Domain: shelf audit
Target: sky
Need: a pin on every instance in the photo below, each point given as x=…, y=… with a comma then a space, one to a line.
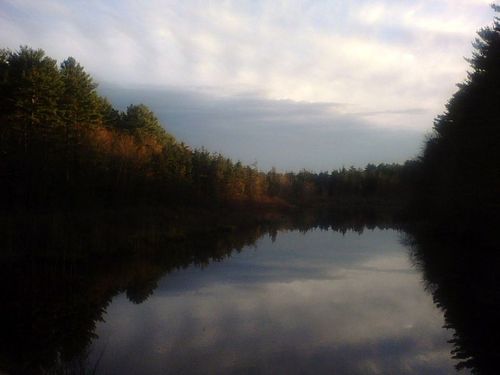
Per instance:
x=291, y=84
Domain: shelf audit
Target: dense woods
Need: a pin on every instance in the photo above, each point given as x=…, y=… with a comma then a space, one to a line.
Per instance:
x=456, y=199
x=63, y=145
x=459, y=170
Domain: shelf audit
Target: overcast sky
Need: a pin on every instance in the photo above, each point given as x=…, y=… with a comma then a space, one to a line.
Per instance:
x=294, y=84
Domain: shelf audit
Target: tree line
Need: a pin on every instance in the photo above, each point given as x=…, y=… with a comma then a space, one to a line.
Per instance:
x=459, y=169
x=64, y=145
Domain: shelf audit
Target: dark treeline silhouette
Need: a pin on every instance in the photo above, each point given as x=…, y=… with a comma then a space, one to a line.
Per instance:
x=58, y=278
x=462, y=275
x=64, y=146
x=459, y=170
x=455, y=206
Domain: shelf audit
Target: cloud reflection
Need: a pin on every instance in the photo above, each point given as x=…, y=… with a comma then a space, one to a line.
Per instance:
x=361, y=309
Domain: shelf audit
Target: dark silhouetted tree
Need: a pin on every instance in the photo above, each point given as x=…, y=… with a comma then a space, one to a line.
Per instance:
x=461, y=160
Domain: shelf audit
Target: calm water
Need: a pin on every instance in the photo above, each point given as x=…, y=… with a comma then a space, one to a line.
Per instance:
x=299, y=303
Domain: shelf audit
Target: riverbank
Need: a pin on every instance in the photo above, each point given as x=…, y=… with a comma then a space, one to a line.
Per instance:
x=87, y=232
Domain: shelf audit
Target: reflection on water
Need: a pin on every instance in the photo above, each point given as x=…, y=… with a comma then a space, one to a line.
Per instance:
x=461, y=273
x=318, y=302
x=266, y=298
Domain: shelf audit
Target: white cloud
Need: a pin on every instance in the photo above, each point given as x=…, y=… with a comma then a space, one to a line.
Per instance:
x=382, y=55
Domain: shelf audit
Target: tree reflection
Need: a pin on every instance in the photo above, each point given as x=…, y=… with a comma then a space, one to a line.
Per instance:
x=58, y=274
x=461, y=272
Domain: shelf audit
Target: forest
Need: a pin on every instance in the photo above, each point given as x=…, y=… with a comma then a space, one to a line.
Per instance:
x=458, y=172
x=64, y=146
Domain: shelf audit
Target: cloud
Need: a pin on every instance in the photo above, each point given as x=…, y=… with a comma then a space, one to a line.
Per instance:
x=387, y=64
x=282, y=133
x=381, y=54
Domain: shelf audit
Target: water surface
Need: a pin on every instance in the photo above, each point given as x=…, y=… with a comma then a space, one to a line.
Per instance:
x=298, y=303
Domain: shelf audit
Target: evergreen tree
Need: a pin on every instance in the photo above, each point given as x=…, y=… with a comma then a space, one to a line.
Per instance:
x=78, y=101
x=31, y=87
x=461, y=160
x=79, y=108
x=142, y=122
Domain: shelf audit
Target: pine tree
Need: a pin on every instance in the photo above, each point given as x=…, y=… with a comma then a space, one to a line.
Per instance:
x=30, y=88
x=142, y=122
x=79, y=109
x=461, y=160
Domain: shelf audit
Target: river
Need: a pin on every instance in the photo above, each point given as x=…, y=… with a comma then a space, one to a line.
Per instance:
x=303, y=297
x=304, y=303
